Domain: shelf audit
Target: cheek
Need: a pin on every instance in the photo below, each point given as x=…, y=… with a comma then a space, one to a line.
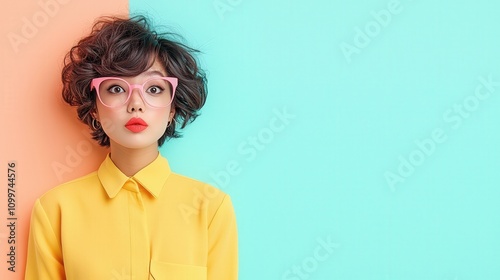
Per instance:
x=103, y=114
x=162, y=115
x=161, y=121
x=107, y=118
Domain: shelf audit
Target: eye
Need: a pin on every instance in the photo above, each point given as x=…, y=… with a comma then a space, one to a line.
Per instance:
x=155, y=90
x=115, y=89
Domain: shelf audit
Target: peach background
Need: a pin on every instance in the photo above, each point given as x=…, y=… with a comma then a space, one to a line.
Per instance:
x=40, y=132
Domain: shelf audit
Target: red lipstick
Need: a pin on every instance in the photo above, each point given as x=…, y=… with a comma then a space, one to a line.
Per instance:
x=136, y=125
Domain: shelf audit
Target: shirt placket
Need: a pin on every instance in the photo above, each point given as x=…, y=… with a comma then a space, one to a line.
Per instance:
x=139, y=239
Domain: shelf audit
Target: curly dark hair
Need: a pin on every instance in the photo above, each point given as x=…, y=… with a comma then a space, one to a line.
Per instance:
x=127, y=47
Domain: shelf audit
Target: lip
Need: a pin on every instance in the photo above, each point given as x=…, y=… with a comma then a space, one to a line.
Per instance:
x=136, y=125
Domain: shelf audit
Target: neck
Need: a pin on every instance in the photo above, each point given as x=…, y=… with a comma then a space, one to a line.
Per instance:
x=130, y=161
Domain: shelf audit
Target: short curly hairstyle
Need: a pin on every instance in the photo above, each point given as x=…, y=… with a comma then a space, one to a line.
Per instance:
x=127, y=47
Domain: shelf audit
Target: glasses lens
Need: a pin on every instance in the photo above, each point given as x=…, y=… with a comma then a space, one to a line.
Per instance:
x=158, y=92
x=113, y=92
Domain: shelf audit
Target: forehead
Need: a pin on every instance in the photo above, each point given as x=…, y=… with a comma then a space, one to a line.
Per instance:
x=156, y=69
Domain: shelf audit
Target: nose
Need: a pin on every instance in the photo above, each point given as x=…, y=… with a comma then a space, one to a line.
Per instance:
x=135, y=103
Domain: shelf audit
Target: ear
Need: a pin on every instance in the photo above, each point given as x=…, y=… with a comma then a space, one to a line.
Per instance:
x=172, y=114
x=94, y=114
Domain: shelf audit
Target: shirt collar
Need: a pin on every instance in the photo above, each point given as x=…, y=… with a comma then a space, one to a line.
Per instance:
x=152, y=177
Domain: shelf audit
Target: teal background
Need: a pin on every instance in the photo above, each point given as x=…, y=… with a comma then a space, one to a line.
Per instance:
x=322, y=176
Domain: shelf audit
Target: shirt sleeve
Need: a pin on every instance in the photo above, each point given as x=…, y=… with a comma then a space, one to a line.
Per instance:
x=223, y=244
x=44, y=261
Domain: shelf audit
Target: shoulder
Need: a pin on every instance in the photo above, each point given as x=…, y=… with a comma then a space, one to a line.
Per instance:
x=64, y=198
x=189, y=187
x=196, y=196
x=71, y=189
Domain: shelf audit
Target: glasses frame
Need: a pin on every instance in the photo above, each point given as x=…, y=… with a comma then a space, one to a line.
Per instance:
x=96, y=83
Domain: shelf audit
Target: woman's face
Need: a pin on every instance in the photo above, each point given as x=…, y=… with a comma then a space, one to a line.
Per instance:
x=123, y=125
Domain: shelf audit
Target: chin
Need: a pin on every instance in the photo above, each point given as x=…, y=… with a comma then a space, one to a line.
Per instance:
x=135, y=145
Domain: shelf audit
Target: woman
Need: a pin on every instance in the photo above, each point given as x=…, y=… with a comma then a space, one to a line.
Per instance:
x=133, y=218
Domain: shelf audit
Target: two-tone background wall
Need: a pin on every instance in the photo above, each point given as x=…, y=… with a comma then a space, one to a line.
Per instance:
x=358, y=139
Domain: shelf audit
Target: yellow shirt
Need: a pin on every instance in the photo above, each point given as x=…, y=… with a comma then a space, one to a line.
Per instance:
x=153, y=225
